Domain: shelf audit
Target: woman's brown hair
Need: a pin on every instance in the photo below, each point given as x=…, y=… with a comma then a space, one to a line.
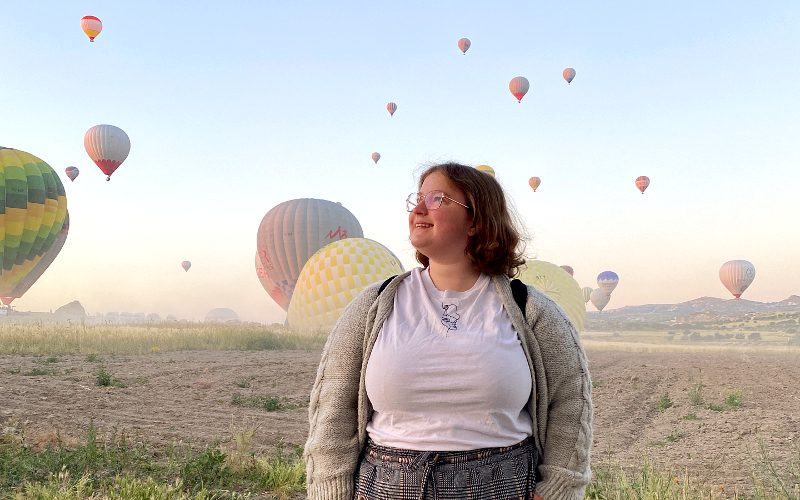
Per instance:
x=497, y=245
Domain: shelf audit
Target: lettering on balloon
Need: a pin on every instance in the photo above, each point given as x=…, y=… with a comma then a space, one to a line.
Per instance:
x=339, y=234
x=265, y=260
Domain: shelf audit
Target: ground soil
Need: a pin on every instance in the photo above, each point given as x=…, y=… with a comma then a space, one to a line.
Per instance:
x=186, y=397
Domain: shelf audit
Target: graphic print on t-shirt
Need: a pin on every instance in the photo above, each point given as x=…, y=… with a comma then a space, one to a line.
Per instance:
x=450, y=316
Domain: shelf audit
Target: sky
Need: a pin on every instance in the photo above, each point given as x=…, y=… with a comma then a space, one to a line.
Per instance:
x=234, y=107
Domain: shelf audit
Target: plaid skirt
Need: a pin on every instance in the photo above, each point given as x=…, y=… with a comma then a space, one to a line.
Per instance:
x=386, y=473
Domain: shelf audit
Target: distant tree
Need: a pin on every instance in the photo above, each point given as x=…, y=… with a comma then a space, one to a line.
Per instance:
x=754, y=336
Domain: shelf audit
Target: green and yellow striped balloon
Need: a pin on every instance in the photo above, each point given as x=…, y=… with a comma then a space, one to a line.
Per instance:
x=33, y=207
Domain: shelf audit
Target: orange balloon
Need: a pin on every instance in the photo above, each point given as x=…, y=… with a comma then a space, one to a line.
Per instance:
x=534, y=183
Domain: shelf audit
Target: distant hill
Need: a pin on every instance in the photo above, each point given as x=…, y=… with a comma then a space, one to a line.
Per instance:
x=703, y=310
x=72, y=310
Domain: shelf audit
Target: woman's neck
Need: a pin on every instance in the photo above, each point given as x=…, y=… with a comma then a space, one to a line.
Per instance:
x=454, y=277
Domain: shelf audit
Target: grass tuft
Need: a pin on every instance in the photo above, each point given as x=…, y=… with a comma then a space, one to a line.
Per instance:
x=663, y=402
x=268, y=403
x=105, y=379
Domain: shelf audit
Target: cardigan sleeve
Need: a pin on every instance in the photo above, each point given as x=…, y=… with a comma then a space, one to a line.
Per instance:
x=332, y=450
x=565, y=469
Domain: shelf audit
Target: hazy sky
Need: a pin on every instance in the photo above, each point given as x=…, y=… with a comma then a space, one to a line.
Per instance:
x=233, y=107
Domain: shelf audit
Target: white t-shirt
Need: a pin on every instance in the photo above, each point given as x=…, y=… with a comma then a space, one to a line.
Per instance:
x=447, y=372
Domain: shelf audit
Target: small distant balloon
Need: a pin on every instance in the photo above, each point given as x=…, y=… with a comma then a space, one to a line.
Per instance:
x=72, y=172
x=607, y=281
x=642, y=182
x=186, y=265
x=737, y=275
x=568, y=74
x=376, y=156
x=464, y=44
x=486, y=169
x=534, y=182
x=391, y=108
x=92, y=26
x=568, y=269
x=599, y=298
x=519, y=86
x=587, y=293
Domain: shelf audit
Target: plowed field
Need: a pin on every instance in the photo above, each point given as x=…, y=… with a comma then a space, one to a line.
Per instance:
x=670, y=407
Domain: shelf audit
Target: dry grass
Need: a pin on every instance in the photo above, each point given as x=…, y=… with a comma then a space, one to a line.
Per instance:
x=49, y=339
x=660, y=342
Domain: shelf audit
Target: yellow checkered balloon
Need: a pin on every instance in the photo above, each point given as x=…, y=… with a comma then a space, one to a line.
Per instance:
x=557, y=284
x=333, y=277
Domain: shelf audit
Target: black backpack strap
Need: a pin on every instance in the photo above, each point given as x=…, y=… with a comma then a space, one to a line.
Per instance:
x=520, y=292
x=385, y=283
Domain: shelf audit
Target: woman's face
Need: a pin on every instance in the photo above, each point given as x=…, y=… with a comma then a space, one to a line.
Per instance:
x=441, y=234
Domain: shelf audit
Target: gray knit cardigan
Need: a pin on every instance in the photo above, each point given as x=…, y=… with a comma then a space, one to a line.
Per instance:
x=560, y=403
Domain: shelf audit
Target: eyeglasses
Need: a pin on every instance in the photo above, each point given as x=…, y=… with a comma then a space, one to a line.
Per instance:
x=433, y=200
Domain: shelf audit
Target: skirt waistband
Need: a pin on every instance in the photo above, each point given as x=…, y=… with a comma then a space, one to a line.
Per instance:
x=403, y=456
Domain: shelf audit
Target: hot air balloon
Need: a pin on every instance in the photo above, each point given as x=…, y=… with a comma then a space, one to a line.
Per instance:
x=599, y=298
x=607, y=280
x=642, y=182
x=568, y=74
x=737, y=275
x=186, y=265
x=72, y=172
x=485, y=169
x=292, y=231
x=376, y=156
x=558, y=285
x=587, y=293
x=33, y=211
x=568, y=269
x=519, y=86
x=463, y=44
x=332, y=277
x=107, y=146
x=270, y=286
x=92, y=26
x=534, y=183
x=41, y=266
x=391, y=108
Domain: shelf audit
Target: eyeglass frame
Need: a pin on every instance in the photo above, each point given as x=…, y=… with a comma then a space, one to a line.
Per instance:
x=410, y=205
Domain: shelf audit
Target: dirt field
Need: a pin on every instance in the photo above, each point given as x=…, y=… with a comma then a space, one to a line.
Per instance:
x=187, y=397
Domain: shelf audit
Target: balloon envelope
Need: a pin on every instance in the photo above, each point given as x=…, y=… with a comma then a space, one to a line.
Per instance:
x=557, y=284
x=292, y=231
x=599, y=298
x=39, y=269
x=333, y=277
x=485, y=169
x=737, y=275
x=92, y=26
x=107, y=146
x=607, y=280
x=519, y=86
x=270, y=286
x=464, y=44
x=587, y=293
x=568, y=74
x=568, y=269
x=376, y=156
x=391, y=108
x=72, y=172
x=534, y=182
x=33, y=205
x=186, y=265
x=642, y=182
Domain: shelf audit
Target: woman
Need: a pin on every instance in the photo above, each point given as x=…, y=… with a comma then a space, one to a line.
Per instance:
x=439, y=386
